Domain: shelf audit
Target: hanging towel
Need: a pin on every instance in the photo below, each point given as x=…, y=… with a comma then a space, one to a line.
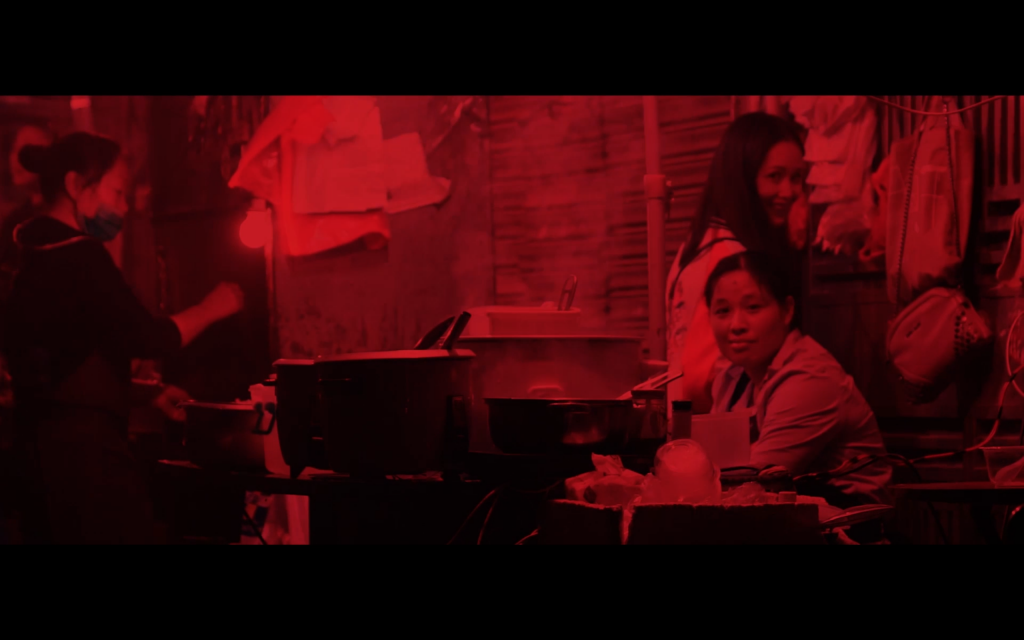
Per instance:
x=348, y=174
x=268, y=165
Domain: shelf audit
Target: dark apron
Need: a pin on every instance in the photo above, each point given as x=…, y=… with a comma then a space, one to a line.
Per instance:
x=83, y=486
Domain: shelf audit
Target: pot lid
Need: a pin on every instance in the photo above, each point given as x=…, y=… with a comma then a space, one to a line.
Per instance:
x=405, y=354
x=574, y=338
x=286, y=362
x=224, y=406
x=593, y=401
x=532, y=311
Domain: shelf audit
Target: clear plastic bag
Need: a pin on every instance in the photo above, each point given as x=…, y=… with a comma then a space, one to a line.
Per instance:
x=846, y=226
x=610, y=484
x=683, y=473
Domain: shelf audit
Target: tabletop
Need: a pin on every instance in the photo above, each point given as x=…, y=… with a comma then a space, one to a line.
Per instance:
x=305, y=485
x=963, y=493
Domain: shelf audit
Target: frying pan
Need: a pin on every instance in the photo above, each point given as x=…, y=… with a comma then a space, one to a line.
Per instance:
x=565, y=425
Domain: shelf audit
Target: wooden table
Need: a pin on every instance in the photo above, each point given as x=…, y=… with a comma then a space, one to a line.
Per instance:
x=981, y=496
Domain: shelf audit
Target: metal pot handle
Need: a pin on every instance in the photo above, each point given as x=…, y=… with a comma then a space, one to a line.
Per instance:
x=270, y=408
x=572, y=407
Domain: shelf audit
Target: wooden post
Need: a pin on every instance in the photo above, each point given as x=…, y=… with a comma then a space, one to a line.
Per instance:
x=656, y=191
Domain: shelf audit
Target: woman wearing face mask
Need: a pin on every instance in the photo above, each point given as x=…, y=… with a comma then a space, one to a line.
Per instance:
x=71, y=330
x=755, y=181
x=809, y=415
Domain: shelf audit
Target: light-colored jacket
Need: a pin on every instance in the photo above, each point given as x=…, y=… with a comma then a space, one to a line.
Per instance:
x=691, y=345
x=810, y=417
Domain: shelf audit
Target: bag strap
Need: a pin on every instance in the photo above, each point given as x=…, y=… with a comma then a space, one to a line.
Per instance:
x=906, y=221
x=952, y=178
x=906, y=203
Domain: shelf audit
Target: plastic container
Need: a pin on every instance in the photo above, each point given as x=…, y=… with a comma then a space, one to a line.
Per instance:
x=1005, y=465
x=724, y=436
x=683, y=472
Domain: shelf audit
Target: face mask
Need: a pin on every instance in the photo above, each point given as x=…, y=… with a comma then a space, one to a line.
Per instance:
x=103, y=226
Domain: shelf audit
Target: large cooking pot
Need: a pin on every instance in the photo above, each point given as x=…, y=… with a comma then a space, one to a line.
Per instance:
x=298, y=419
x=395, y=412
x=548, y=367
x=565, y=425
x=228, y=436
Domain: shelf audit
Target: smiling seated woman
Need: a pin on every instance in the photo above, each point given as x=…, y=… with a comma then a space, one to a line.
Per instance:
x=808, y=414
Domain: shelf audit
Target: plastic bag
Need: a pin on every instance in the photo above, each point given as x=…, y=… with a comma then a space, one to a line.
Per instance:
x=748, y=494
x=846, y=226
x=610, y=484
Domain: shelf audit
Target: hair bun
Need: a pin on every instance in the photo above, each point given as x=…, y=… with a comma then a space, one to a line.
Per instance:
x=34, y=158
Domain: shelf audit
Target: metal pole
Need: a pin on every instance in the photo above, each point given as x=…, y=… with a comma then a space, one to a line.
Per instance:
x=656, y=191
x=272, y=326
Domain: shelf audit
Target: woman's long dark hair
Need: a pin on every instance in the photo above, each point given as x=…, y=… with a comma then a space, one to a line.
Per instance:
x=86, y=154
x=731, y=190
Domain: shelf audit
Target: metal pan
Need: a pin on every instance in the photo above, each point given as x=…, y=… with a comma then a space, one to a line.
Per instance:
x=542, y=426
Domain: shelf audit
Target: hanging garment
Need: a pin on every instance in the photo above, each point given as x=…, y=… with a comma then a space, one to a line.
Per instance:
x=323, y=162
x=933, y=252
x=875, y=245
x=343, y=169
x=1011, y=269
x=853, y=148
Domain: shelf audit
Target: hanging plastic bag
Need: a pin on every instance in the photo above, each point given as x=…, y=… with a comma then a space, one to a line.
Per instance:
x=610, y=484
x=846, y=226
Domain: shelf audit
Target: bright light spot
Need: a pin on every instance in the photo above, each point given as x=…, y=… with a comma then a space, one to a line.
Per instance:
x=257, y=230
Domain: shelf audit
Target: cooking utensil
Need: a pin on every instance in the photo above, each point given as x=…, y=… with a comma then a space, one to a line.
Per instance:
x=544, y=426
x=495, y=321
x=448, y=342
x=392, y=412
x=568, y=294
x=856, y=515
x=298, y=417
x=228, y=436
x=653, y=384
x=145, y=391
x=581, y=366
x=431, y=338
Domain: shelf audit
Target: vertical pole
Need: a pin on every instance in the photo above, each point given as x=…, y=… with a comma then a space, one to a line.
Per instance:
x=268, y=256
x=656, y=192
